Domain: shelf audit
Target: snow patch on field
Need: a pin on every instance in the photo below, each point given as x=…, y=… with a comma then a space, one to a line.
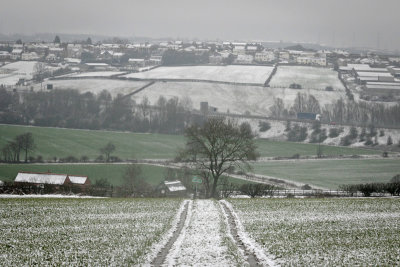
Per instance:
x=95, y=86
x=12, y=72
x=307, y=77
x=248, y=241
x=156, y=248
x=233, y=98
x=200, y=242
x=231, y=73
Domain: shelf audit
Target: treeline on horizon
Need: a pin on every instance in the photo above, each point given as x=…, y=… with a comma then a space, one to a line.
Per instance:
x=341, y=111
x=72, y=109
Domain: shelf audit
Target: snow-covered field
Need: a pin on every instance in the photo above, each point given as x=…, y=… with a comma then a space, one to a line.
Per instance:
x=12, y=72
x=200, y=242
x=307, y=77
x=325, y=232
x=231, y=73
x=95, y=86
x=82, y=232
x=235, y=98
x=129, y=232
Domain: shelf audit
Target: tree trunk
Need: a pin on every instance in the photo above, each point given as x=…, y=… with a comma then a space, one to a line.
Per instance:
x=214, y=187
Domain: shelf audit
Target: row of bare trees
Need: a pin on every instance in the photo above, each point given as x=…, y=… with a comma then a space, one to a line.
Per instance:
x=22, y=144
x=340, y=111
x=71, y=109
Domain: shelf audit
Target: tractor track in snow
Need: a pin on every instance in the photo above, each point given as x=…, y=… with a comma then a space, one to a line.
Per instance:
x=254, y=256
x=250, y=257
x=161, y=256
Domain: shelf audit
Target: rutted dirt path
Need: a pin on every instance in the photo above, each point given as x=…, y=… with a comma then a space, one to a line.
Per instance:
x=208, y=233
x=160, y=258
x=255, y=254
x=251, y=257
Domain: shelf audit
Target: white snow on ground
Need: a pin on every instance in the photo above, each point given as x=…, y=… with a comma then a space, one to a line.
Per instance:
x=248, y=241
x=231, y=73
x=156, y=248
x=235, y=98
x=12, y=72
x=95, y=74
x=200, y=242
x=307, y=77
x=95, y=86
x=45, y=196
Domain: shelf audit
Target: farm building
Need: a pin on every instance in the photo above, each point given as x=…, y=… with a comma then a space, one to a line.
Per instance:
x=172, y=189
x=52, y=179
x=382, y=88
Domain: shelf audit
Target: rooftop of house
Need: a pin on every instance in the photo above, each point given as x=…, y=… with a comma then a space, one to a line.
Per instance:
x=49, y=178
x=174, y=186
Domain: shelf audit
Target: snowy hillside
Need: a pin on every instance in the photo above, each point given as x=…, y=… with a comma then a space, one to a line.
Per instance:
x=231, y=73
x=233, y=98
x=307, y=77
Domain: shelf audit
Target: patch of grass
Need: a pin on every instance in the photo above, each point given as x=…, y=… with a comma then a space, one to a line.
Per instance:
x=331, y=173
x=288, y=149
x=61, y=143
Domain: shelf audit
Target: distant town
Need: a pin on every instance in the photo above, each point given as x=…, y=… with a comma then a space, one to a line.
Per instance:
x=375, y=76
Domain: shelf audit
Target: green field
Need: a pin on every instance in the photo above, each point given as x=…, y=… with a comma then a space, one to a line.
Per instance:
x=324, y=232
x=331, y=173
x=61, y=143
x=288, y=149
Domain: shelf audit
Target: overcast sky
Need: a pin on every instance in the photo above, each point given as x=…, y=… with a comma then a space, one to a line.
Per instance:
x=369, y=23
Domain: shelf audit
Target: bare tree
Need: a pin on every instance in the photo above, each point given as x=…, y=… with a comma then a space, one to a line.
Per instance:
x=27, y=143
x=39, y=72
x=133, y=180
x=218, y=145
x=107, y=150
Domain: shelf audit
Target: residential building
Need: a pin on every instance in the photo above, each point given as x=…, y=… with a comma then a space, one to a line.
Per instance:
x=16, y=53
x=265, y=56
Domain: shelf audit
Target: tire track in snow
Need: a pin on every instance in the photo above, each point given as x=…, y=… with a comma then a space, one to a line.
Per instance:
x=255, y=254
x=200, y=242
x=162, y=254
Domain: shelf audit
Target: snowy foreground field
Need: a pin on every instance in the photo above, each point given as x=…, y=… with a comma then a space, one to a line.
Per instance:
x=307, y=77
x=231, y=73
x=168, y=232
x=325, y=232
x=72, y=232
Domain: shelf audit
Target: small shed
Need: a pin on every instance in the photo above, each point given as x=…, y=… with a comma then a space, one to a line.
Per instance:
x=172, y=189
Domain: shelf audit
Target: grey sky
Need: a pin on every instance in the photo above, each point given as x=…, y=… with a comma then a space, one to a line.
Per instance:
x=338, y=22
